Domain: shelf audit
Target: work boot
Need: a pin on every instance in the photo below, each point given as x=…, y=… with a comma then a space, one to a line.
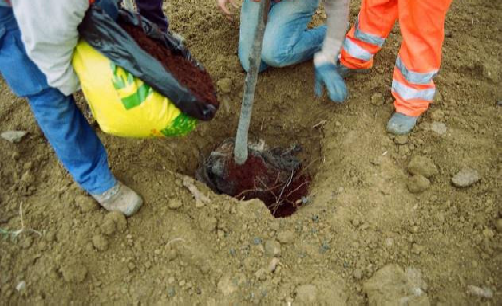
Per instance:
x=120, y=198
x=400, y=124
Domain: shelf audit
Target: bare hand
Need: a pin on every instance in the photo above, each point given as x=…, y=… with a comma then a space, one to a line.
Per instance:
x=223, y=6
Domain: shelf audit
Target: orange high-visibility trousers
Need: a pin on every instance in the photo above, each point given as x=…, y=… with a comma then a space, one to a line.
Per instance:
x=422, y=27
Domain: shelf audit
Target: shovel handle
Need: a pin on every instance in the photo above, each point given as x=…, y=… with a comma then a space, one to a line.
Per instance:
x=241, y=139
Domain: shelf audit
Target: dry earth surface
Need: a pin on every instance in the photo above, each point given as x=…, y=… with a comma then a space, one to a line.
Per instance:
x=384, y=224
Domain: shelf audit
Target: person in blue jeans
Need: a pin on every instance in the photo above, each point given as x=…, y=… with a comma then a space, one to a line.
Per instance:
x=35, y=61
x=287, y=41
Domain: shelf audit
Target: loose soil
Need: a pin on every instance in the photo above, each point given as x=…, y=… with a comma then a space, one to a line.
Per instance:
x=197, y=80
x=216, y=250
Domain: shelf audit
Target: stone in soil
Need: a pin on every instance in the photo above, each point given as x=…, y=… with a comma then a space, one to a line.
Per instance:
x=13, y=136
x=272, y=248
x=438, y=128
x=225, y=85
x=287, y=236
x=392, y=286
x=273, y=264
x=421, y=165
x=480, y=292
x=418, y=184
x=465, y=178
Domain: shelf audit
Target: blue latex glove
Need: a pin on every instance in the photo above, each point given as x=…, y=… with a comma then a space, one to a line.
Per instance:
x=327, y=74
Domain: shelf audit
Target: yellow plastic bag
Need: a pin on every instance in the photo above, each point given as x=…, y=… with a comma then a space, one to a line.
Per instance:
x=122, y=104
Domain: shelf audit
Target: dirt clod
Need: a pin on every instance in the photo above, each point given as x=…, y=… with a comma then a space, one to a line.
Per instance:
x=100, y=242
x=225, y=85
x=73, y=271
x=174, y=204
x=401, y=139
x=86, y=203
x=421, y=165
x=418, y=184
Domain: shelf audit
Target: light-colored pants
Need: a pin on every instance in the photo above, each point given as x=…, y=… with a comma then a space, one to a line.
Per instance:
x=287, y=40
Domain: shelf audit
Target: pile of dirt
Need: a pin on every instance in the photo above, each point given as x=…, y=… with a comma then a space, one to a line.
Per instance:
x=196, y=79
x=275, y=176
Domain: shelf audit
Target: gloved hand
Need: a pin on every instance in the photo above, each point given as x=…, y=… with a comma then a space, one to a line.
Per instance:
x=327, y=74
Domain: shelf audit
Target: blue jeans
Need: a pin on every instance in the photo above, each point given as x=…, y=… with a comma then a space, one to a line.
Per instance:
x=287, y=40
x=75, y=142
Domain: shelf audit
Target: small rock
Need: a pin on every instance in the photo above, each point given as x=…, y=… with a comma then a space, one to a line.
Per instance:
x=100, y=242
x=389, y=242
x=171, y=291
x=498, y=225
x=391, y=285
x=377, y=99
x=261, y=274
x=438, y=128
x=287, y=236
x=272, y=248
x=225, y=85
x=480, y=292
x=21, y=286
x=358, y=274
x=227, y=286
x=273, y=264
x=448, y=33
x=401, y=139
x=306, y=294
x=418, y=184
x=174, y=204
x=499, y=103
x=421, y=165
x=13, y=136
x=465, y=178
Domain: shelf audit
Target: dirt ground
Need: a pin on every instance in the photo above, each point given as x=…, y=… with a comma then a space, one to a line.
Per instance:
x=363, y=237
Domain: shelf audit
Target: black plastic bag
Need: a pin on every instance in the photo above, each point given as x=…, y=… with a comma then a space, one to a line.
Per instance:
x=105, y=35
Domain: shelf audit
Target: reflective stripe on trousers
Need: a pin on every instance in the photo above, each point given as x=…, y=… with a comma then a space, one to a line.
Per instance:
x=422, y=28
x=361, y=45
